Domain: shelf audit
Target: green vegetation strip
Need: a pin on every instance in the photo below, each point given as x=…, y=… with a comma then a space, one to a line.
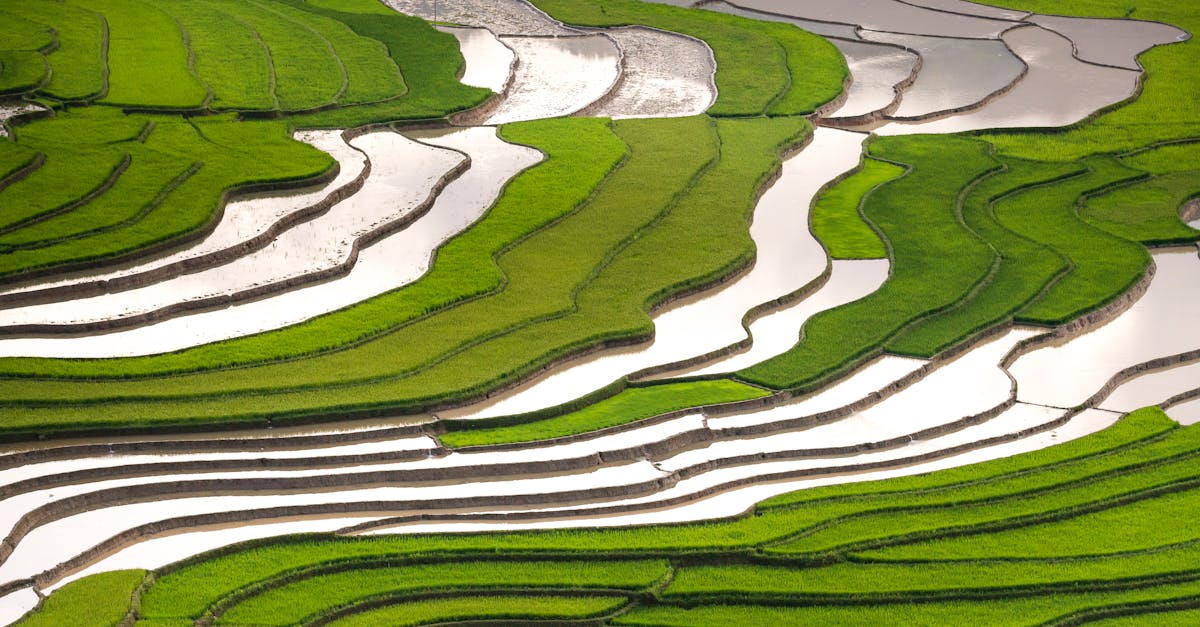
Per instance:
x=936, y=261
x=836, y=218
x=1040, y=569
x=177, y=179
x=147, y=58
x=597, y=289
x=303, y=600
x=762, y=67
x=1005, y=611
x=499, y=607
x=78, y=67
x=101, y=599
x=628, y=406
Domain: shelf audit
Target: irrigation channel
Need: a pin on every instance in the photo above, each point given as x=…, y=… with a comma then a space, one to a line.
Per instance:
x=76, y=507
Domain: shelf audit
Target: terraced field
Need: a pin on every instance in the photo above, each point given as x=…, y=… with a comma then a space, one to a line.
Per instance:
x=597, y=312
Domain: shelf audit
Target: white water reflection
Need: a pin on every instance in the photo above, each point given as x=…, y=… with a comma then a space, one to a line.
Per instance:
x=788, y=258
x=1165, y=321
x=955, y=73
x=503, y=17
x=1187, y=413
x=742, y=499
x=243, y=218
x=397, y=260
x=9, y=110
x=1153, y=388
x=64, y=538
x=404, y=175
x=825, y=29
x=1037, y=99
x=885, y=15
x=488, y=63
x=557, y=76
x=662, y=75
x=881, y=373
x=978, y=382
x=1111, y=42
x=778, y=331
x=158, y=552
x=16, y=604
x=970, y=8
x=29, y=471
x=877, y=72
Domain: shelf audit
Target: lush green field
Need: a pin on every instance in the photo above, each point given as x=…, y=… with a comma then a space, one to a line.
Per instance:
x=936, y=259
x=762, y=67
x=595, y=291
x=628, y=406
x=981, y=230
x=836, y=215
x=99, y=600
x=1012, y=540
x=113, y=183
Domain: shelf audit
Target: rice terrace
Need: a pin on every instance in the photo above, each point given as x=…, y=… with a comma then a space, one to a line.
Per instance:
x=599, y=312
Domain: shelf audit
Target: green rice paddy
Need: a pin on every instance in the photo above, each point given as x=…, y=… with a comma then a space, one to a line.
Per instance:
x=160, y=111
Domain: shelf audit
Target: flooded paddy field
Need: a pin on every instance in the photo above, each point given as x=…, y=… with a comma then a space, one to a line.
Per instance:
x=394, y=261
x=788, y=259
x=244, y=220
x=1033, y=100
x=87, y=505
x=956, y=73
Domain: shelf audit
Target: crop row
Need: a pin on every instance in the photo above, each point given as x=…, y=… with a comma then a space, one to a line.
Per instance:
x=268, y=55
x=113, y=184
x=762, y=67
x=599, y=277
x=1125, y=483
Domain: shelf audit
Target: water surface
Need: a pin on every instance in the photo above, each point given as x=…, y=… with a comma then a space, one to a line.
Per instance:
x=1165, y=321
x=395, y=261
x=955, y=73
x=488, y=62
x=1037, y=99
x=1111, y=42
x=557, y=76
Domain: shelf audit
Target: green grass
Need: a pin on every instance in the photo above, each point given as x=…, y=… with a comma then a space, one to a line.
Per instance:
x=543, y=312
x=147, y=58
x=18, y=33
x=14, y=157
x=22, y=71
x=1103, y=266
x=628, y=406
x=78, y=63
x=101, y=600
x=762, y=67
x=1155, y=618
x=230, y=57
x=307, y=71
x=936, y=261
x=836, y=220
x=173, y=187
x=849, y=579
x=497, y=607
x=428, y=59
x=370, y=74
x=581, y=151
x=1033, y=571
x=305, y=599
x=1026, y=267
x=135, y=191
x=1005, y=611
x=332, y=67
